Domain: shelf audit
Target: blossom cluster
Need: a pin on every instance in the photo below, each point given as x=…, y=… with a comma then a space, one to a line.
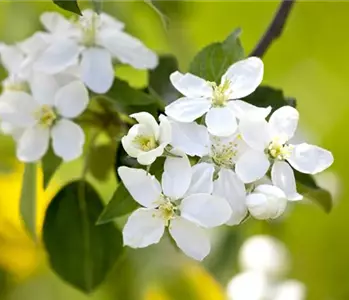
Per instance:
x=225, y=159
x=49, y=75
x=265, y=262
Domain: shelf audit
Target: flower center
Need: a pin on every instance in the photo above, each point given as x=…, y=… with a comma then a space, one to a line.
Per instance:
x=279, y=150
x=220, y=93
x=15, y=84
x=88, y=26
x=167, y=209
x=45, y=116
x=223, y=154
x=145, y=143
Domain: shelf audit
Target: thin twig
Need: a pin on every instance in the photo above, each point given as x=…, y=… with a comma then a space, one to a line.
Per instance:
x=275, y=28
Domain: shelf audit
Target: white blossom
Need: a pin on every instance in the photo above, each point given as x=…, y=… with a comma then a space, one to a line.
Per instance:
x=92, y=43
x=147, y=140
x=182, y=203
x=290, y=290
x=266, y=202
x=272, y=139
x=202, y=97
x=46, y=113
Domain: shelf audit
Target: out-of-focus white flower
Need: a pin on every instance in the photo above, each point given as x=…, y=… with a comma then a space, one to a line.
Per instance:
x=46, y=114
x=266, y=202
x=290, y=290
x=147, y=140
x=266, y=255
x=271, y=138
x=182, y=202
x=92, y=43
x=201, y=97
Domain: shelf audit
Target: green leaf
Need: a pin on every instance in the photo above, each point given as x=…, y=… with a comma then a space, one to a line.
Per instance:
x=214, y=60
x=101, y=160
x=80, y=252
x=265, y=96
x=69, y=5
x=159, y=79
x=28, y=198
x=155, y=6
x=97, y=5
x=50, y=163
x=129, y=100
x=119, y=205
x=306, y=185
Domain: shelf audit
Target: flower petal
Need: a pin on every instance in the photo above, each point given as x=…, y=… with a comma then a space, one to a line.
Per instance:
x=243, y=109
x=255, y=132
x=165, y=134
x=283, y=177
x=245, y=76
x=54, y=22
x=43, y=88
x=71, y=100
x=97, y=70
x=176, y=177
x=252, y=166
x=202, y=179
x=11, y=58
x=33, y=144
x=221, y=121
x=147, y=158
x=58, y=56
x=143, y=187
x=187, y=109
x=67, y=139
x=111, y=22
x=283, y=122
x=191, y=138
x=190, y=85
x=205, y=210
x=231, y=188
x=144, y=227
x=148, y=120
x=310, y=159
x=128, y=49
x=191, y=238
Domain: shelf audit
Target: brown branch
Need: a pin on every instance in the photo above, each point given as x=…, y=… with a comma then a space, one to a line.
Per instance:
x=275, y=28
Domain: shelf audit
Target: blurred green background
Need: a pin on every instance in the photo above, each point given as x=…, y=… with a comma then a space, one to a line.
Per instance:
x=309, y=62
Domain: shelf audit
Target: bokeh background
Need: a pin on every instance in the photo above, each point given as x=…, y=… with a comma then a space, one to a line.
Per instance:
x=309, y=62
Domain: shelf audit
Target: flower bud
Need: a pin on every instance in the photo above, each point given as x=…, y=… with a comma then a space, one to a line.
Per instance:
x=266, y=202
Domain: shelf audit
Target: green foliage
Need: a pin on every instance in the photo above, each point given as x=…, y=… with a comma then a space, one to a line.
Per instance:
x=307, y=186
x=97, y=5
x=28, y=198
x=69, y=5
x=214, y=60
x=156, y=6
x=101, y=160
x=159, y=79
x=49, y=163
x=80, y=252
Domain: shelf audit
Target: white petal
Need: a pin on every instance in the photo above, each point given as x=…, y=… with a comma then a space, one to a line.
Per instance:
x=111, y=22
x=71, y=100
x=33, y=144
x=252, y=166
x=165, y=134
x=128, y=49
x=187, y=109
x=143, y=187
x=243, y=109
x=191, y=238
x=148, y=157
x=143, y=228
x=221, y=121
x=255, y=132
x=245, y=76
x=191, y=138
x=34, y=44
x=190, y=85
x=176, y=177
x=202, y=179
x=310, y=159
x=54, y=22
x=67, y=139
x=97, y=70
x=43, y=88
x=283, y=122
x=290, y=290
x=18, y=109
x=148, y=120
x=60, y=55
x=231, y=188
x=205, y=210
x=283, y=177
x=12, y=58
